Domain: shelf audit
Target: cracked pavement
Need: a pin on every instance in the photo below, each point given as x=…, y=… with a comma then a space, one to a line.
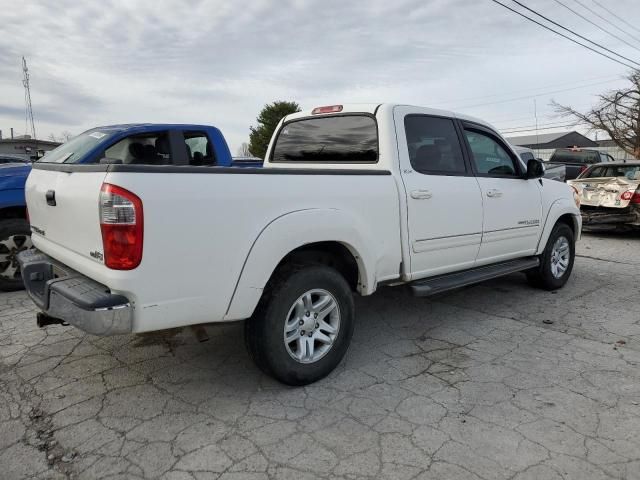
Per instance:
x=467, y=385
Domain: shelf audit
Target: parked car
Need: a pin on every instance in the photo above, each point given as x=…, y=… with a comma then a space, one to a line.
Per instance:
x=15, y=235
x=577, y=160
x=552, y=171
x=610, y=195
x=350, y=198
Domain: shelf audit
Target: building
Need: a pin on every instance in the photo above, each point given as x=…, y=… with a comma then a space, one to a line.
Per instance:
x=546, y=141
x=25, y=145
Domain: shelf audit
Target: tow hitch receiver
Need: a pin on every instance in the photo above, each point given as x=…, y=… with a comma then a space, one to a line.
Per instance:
x=43, y=320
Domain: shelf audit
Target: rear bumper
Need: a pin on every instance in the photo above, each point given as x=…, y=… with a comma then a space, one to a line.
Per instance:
x=65, y=294
x=610, y=216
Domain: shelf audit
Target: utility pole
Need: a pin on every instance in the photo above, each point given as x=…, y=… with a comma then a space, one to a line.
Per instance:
x=535, y=114
x=27, y=97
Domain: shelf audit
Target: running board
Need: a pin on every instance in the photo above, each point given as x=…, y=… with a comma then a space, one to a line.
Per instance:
x=442, y=283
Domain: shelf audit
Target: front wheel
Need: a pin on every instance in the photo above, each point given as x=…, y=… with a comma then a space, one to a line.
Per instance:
x=556, y=262
x=15, y=236
x=302, y=327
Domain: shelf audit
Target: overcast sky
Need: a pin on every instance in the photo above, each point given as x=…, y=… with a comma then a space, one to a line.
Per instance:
x=218, y=62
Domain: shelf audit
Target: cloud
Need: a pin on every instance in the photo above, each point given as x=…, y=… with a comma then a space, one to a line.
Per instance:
x=217, y=62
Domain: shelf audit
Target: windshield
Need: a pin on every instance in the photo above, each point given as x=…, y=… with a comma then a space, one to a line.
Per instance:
x=75, y=149
x=630, y=172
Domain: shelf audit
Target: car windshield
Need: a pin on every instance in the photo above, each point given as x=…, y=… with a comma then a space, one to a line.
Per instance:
x=630, y=172
x=76, y=148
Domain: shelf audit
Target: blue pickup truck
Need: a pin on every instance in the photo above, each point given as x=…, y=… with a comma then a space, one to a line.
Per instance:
x=143, y=144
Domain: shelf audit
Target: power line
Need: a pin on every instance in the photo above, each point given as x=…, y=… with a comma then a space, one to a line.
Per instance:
x=531, y=96
x=558, y=124
x=574, y=33
x=619, y=18
x=563, y=35
x=609, y=78
x=543, y=128
x=606, y=20
x=595, y=24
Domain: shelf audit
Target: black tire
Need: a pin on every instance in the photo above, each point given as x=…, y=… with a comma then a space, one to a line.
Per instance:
x=543, y=277
x=264, y=331
x=19, y=229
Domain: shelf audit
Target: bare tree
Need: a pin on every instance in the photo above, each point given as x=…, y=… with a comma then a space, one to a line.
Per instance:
x=617, y=113
x=52, y=137
x=66, y=135
x=243, y=151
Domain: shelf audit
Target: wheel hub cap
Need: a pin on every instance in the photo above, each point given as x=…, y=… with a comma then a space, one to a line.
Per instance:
x=312, y=326
x=560, y=256
x=9, y=249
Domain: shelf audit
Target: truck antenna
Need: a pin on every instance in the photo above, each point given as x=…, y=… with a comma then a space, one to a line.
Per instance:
x=27, y=98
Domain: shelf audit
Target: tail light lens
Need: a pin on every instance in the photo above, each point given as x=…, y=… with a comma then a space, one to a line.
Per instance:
x=636, y=197
x=122, y=226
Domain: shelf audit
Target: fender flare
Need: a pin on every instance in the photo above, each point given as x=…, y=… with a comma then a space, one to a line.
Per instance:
x=293, y=230
x=558, y=208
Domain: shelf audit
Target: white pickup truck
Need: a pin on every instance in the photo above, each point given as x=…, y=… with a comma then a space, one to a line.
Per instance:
x=350, y=198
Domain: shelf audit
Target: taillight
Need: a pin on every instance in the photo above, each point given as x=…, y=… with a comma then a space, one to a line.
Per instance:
x=583, y=168
x=122, y=226
x=636, y=197
x=627, y=195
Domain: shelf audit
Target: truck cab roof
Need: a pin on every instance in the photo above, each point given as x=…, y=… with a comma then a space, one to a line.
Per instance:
x=149, y=127
x=374, y=108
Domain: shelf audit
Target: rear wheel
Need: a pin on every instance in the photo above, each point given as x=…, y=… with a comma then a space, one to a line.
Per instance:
x=15, y=236
x=302, y=327
x=556, y=262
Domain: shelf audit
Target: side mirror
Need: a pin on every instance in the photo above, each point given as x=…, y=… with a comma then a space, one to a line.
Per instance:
x=535, y=169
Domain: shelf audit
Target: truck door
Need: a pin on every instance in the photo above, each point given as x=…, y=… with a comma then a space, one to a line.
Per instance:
x=444, y=203
x=512, y=204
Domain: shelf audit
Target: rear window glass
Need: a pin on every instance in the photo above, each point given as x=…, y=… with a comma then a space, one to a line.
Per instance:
x=570, y=156
x=335, y=139
x=630, y=172
x=75, y=149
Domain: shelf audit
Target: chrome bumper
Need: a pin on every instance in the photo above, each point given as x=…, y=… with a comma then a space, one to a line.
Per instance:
x=64, y=294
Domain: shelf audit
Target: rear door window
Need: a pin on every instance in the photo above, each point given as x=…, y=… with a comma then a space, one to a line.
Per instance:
x=199, y=149
x=434, y=146
x=330, y=139
x=145, y=149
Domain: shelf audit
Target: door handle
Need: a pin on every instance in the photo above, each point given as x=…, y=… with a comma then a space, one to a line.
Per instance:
x=421, y=194
x=51, y=197
x=494, y=193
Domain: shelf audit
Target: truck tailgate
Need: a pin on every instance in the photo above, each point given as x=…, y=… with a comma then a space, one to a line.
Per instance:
x=64, y=214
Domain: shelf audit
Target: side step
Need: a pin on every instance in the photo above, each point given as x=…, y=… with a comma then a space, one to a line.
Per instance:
x=449, y=281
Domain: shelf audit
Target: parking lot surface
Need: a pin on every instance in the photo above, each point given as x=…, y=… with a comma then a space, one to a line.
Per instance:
x=497, y=381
